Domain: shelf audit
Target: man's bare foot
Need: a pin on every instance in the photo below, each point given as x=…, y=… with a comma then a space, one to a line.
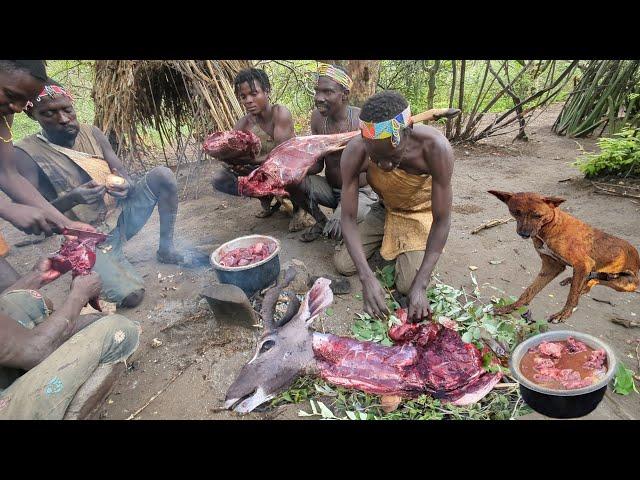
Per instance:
x=301, y=220
x=267, y=208
x=311, y=233
x=170, y=256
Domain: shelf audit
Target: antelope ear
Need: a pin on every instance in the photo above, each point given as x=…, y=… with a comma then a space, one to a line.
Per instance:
x=504, y=196
x=554, y=201
x=317, y=299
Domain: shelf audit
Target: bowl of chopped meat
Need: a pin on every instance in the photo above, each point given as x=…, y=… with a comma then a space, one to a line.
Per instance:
x=563, y=374
x=251, y=262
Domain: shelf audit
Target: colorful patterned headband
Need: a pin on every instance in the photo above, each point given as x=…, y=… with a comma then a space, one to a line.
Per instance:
x=324, y=69
x=50, y=91
x=388, y=128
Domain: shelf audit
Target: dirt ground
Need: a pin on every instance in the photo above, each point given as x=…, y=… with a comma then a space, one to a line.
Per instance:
x=187, y=376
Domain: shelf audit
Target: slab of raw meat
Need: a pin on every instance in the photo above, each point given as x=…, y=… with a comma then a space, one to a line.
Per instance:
x=427, y=359
x=233, y=144
x=78, y=256
x=288, y=163
x=240, y=257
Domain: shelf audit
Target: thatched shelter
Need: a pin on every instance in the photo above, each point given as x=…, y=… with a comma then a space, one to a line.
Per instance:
x=181, y=100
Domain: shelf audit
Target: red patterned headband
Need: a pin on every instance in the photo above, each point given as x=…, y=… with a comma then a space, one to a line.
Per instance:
x=51, y=91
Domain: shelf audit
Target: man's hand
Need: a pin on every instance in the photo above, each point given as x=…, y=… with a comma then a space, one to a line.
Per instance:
x=419, y=307
x=88, y=193
x=80, y=226
x=32, y=220
x=332, y=228
x=45, y=271
x=119, y=191
x=87, y=286
x=374, y=299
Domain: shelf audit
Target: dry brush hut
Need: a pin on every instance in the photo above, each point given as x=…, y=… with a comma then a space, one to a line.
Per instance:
x=181, y=100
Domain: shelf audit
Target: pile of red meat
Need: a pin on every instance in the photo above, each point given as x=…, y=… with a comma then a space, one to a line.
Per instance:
x=288, y=163
x=78, y=255
x=558, y=364
x=240, y=257
x=428, y=358
x=233, y=144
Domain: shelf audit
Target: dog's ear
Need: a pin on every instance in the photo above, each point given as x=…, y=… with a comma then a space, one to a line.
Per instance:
x=554, y=201
x=504, y=196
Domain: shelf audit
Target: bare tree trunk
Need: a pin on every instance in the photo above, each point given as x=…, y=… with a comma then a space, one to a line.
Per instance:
x=431, y=93
x=364, y=74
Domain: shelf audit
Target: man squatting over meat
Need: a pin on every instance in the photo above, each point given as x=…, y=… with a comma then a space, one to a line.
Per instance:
x=410, y=169
x=69, y=163
x=272, y=124
x=20, y=82
x=332, y=114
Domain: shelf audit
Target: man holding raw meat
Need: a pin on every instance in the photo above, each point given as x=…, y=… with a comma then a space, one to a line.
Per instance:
x=272, y=124
x=332, y=114
x=58, y=364
x=410, y=168
x=73, y=166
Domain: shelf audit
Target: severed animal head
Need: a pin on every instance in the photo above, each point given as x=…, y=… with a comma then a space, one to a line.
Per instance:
x=530, y=210
x=284, y=350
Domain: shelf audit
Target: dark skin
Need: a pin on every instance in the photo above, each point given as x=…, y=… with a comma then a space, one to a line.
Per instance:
x=60, y=126
x=275, y=120
x=422, y=150
x=332, y=106
x=25, y=348
x=31, y=213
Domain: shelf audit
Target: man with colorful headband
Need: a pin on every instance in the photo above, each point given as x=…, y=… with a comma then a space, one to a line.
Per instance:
x=73, y=165
x=410, y=168
x=332, y=114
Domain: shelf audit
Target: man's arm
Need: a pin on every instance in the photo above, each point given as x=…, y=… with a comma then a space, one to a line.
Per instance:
x=316, y=121
x=31, y=213
x=25, y=348
x=109, y=155
x=353, y=158
x=440, y=162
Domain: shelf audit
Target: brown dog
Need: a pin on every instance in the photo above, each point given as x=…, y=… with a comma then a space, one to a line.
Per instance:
x=562, y=240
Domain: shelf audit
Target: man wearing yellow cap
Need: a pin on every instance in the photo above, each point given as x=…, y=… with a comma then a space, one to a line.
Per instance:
x=410, y=168
x=332, y=115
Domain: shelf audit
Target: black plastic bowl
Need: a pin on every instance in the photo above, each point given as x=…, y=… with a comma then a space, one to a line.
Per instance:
x=562, y=403
x=250, y=278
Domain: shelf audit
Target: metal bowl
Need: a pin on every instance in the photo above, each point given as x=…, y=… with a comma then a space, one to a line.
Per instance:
x=562, y=403
x=250, y=278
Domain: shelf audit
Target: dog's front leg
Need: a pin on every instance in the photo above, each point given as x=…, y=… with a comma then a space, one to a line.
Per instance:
x=578, y=281
x=550, y=269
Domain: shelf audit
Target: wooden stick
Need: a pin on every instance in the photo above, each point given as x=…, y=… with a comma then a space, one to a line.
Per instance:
x=625, y=323
x=602, y=301
x=153, y=397
x=491, y=224
x=505, y=385
x=613, y=185
x=608, y=191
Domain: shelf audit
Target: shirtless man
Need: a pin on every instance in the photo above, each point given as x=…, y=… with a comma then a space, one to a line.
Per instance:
x=273, y=124
x=20, y=82
x=332, y=114
x=410, y=167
